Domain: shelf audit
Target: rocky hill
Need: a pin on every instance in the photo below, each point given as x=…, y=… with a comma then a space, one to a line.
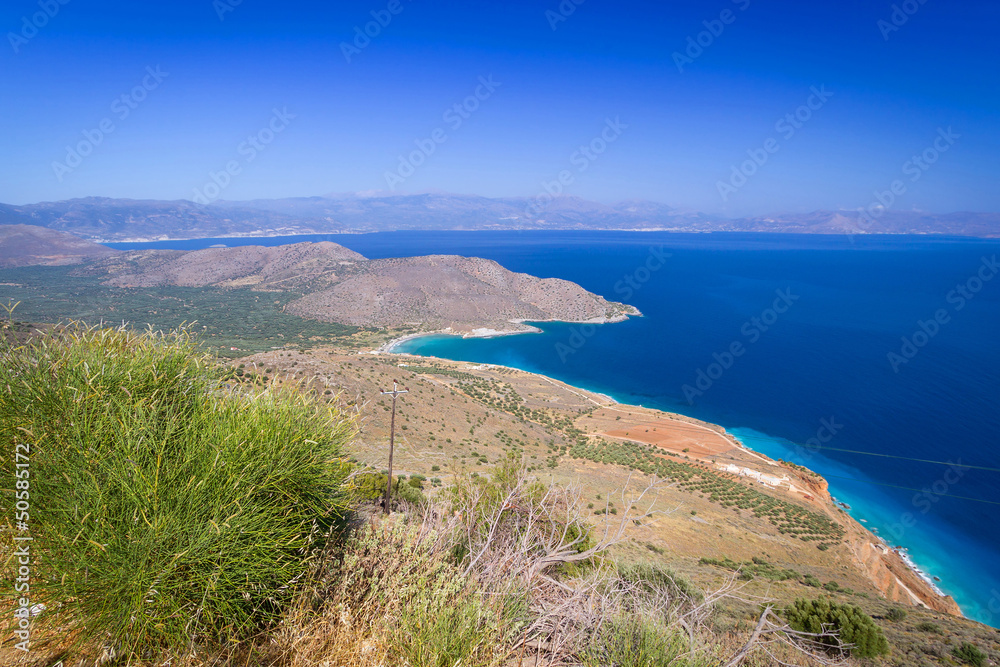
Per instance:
x=467, y=295
x=26, y=245
x=277, y=268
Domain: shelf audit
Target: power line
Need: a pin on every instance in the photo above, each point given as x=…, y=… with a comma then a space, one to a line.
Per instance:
x=888, y=456
x=907, y=488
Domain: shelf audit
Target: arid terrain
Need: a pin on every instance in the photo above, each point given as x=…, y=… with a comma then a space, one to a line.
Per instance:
x=460, y=416
x=29, y=245
x=338, y=285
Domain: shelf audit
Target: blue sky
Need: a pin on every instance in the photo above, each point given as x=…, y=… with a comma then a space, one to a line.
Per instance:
x=277, y=72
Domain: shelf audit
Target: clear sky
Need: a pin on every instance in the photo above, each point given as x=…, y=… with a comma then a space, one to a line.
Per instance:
x=326, y=118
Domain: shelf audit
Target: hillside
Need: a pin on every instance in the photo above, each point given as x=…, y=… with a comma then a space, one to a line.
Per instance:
x=276, y=268
x=459, y=293
x=29, y=245
x=340, y=286
x=726, y=542
x=708, y=524
x=105, y=219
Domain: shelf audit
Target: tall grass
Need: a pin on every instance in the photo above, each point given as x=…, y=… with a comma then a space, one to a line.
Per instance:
x=165, y=511
x=392, y=594
x=637, y=641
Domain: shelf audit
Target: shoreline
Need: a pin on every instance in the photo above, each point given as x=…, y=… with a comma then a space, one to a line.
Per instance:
x=901, y=552
x=485, y=332
x=650, y=230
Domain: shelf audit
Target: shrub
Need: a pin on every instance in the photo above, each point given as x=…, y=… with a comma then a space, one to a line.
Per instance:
x=896, y=614
x=854, y=628
x=652, y=578
x=165, y=507
x=970, y=654
x=928, y=626
x=395, y=588
x=370, y=487
x=635, y=641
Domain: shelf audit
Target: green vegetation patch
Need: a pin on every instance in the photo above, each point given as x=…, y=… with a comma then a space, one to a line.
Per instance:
x=789, y=518
x=757, y=568
x=242, y=318
x=161, y=507
x=433, y=370
x=855, y=628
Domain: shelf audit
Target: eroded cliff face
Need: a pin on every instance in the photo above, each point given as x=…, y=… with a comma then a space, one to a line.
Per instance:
x=896, y=581
x=880, y=564
x=885, y=568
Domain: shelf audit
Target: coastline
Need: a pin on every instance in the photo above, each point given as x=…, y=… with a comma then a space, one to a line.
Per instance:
x=640, y=230
x=486, y=332
x=875, y=564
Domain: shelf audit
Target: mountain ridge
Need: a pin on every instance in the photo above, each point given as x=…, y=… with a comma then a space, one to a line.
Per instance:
x=104, y=219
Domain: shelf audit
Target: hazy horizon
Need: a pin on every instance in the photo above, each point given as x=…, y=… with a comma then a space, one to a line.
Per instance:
x=816, y=107
x=377, y=195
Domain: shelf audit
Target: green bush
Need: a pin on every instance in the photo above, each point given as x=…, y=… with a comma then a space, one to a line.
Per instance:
x=929, y=626
x=970, y=654
x=165, y=507
x=896, y=614
x=370, y=487
x=854, y=627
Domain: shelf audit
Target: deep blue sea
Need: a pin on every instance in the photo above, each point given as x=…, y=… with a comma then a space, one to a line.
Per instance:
x=787, y=341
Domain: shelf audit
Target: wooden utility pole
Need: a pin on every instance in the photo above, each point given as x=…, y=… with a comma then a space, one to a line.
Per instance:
x=392, y=438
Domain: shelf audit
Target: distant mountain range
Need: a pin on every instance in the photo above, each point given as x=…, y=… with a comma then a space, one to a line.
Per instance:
x=103, y=219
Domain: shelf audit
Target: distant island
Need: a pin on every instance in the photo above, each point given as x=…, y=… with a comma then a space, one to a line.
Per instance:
x=127, y=220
